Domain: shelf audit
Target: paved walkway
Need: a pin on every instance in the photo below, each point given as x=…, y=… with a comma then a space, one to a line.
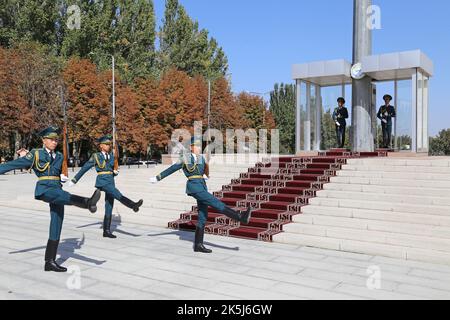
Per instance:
x=155, y=263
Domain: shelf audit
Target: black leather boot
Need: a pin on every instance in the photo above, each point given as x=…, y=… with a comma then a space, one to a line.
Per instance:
x=245, y=216
x=198, y=244
x=131, y=204
x=107, y=228
x=235, y=215
x=50, y=257
x=86, y=203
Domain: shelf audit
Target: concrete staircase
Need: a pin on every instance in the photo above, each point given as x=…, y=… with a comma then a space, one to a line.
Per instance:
x=380, y=206
x=277, y=189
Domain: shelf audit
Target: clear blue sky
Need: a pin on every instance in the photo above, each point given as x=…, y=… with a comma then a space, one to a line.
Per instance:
x=262, y=39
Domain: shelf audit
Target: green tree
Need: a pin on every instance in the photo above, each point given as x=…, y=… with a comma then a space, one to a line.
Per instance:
x=282, y=106
x=184, y=47
x=440, y=145
x=28, y=20
x=123, y=28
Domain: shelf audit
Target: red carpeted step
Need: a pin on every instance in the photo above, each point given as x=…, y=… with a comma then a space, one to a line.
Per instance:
x=267, y=214
x=320, y=172
x=307, y=177
x=368, y=154
x=324, y=166
x=255, y=182
x=191, y=225
x=244, y=187
x=246, y=232
x=236, y=194
x=286, y=159
x=230, y=201
x=258, y=223
x=211, y=217
x=324, y=160
x=291, y=190
x=299, y=184
x=260, y=176
x=284, y=197
x=276, y=205
x=254, y=222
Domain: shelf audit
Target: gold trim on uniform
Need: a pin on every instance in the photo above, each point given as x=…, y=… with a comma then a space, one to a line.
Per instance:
x=104, y=172
x=195, y=177
x=36, y=163
x=49, y=178
x=101, y=166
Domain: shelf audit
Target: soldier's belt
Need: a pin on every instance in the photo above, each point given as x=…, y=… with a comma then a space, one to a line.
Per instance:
x=104, y=172
x=49, y=178
x=195, y=177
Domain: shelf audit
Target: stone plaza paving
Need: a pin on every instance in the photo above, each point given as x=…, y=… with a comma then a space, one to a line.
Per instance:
x=155, y=263
x=148, y=262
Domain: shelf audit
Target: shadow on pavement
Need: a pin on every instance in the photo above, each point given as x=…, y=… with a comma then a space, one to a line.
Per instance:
x=67, y=249
x=189, y=236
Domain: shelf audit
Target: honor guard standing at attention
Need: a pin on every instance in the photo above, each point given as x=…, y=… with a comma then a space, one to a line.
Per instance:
x=339, y=116
x=103, y=162
x=385, y=114
x=47, y=165
x=196, y=170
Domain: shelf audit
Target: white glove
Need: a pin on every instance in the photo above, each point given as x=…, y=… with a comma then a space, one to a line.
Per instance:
x=64, y=179
x=384, y=120
x=116, y=172
x=153, y=180
x=205, y=177
x=338, y=124
x=70, y=184
x=386, y=114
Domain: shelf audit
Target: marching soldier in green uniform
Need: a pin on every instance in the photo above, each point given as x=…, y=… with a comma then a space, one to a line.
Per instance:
x=339, y=116
x=385, y=114
x=47, y=165
x=196, y=170
x=103, y=162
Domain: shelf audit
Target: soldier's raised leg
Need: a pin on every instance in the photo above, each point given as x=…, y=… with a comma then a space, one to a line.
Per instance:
x=115, y=193
x=208, y=199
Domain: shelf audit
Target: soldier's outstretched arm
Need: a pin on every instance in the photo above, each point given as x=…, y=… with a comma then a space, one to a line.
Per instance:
x=21, y=163
x=86, y=167
x=171, y=170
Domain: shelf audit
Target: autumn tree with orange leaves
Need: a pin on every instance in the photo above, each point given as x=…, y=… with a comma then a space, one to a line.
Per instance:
x=15, y=117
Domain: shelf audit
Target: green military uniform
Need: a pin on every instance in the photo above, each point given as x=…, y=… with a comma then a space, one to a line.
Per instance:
x=47, y=166
x=104, y=166
x=385, y=114
x=340, y=115
x=194, y=169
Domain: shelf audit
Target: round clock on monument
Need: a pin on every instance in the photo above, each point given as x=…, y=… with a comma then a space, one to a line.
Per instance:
x=356, y=71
